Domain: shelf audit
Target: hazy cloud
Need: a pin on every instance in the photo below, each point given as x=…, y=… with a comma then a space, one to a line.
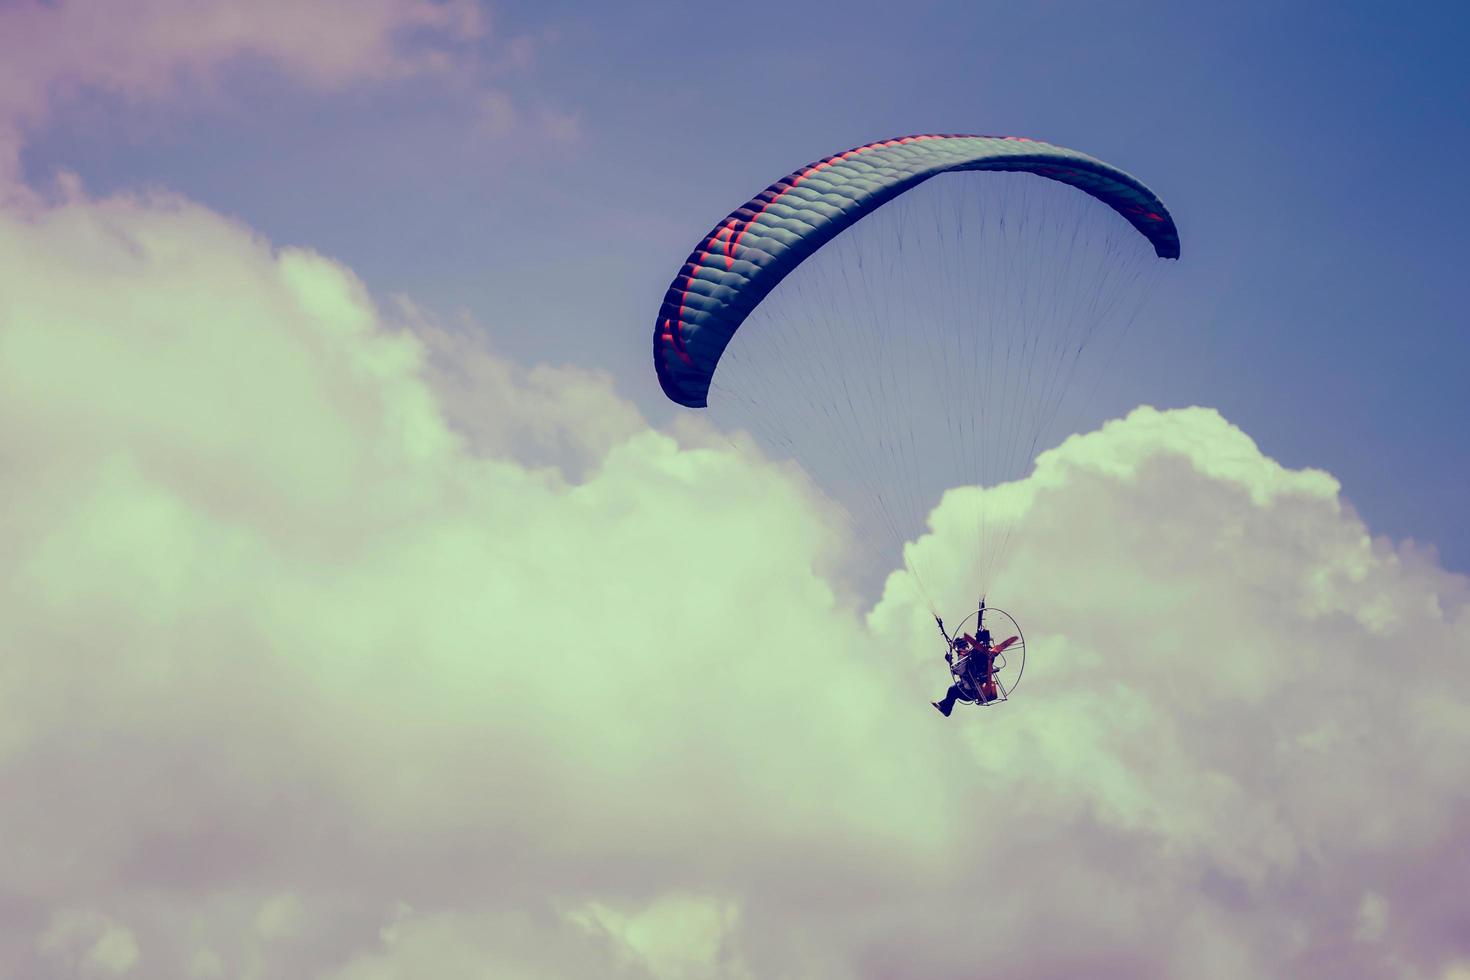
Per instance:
x=156, y=50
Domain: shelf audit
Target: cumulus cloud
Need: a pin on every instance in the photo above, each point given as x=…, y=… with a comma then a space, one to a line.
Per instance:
x=339, y=646
x=283, y=614
x=1248, y=708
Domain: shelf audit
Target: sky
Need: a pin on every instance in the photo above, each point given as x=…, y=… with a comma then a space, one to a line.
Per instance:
x=369, y=613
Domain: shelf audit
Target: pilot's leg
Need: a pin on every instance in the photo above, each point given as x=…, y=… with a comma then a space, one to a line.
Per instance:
x=947, y=705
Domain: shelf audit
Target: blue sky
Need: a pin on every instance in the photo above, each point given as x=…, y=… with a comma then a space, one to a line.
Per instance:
x=1306, y=150
x=395, y=641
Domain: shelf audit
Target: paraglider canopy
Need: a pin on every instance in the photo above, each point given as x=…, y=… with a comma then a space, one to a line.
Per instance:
x=908, y=320
x=747, y=254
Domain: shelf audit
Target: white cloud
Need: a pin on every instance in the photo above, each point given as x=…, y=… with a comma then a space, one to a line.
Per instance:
x=385, y=657
x=673, y=938
x=83, y=942
x=1372, y=917
x=280, y=916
